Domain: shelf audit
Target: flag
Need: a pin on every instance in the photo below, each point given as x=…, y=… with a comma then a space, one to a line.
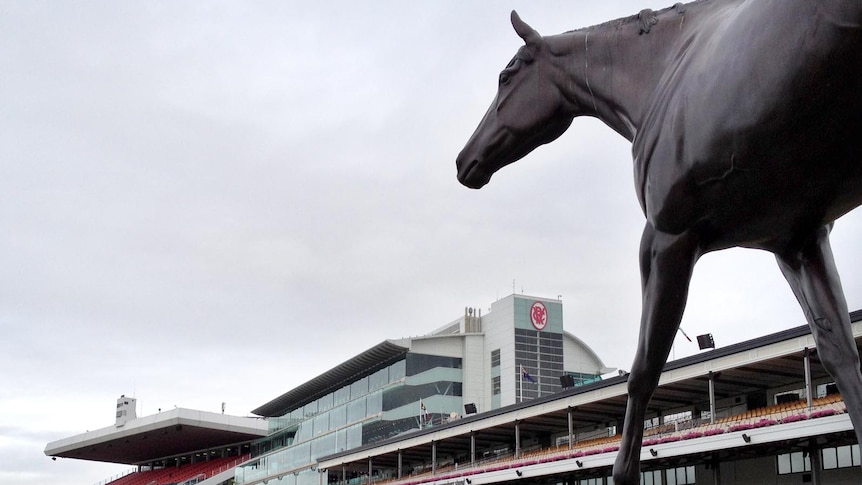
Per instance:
x=527, y=375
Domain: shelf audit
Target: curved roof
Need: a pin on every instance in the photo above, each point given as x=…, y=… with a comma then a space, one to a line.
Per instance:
x=592, y=353
x=364, y=364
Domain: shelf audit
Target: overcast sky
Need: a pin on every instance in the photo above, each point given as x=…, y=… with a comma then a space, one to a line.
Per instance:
x=207, y=202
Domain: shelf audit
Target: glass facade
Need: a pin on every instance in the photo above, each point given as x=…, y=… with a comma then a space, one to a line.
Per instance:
x=540, y=354
x=369, y=409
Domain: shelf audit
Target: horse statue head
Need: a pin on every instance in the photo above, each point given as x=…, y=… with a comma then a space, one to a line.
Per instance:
x=530, y=110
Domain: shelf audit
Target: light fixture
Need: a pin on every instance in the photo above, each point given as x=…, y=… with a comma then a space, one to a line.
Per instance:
x=653, y=452
x=746, y=438
x=519, y=472
x=705, y=341
x=469, y=481
x=579, y=463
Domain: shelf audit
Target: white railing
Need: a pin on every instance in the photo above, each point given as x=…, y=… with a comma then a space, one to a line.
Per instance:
x=117, y=476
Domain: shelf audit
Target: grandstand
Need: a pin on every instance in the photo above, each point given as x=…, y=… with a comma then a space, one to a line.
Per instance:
x=179, y=446
x=763, y=411
x=758, y=412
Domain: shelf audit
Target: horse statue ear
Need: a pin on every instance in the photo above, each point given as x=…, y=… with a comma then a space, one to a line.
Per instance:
x=529, y=34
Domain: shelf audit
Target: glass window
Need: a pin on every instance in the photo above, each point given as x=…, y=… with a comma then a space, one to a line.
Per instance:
x=840, y=457
x=796, y=462
x=338, y=417
x=651, y=477
x=378, y=379
x=321, y=423
x=397, y=370
x=359, y=388
x=307, y=477
x=683, y=475
x=354, y=436
x=301, y=454
x=322, y=446
x=304, y=431
x=356, y=410
x=341, y=439
x=324, y=403
x=397, y=396
x=829, y=459
x=418, y=363
x=374, y=403
x=495, y=358
x=310, y=409
x=341, y=396
x=845, y=457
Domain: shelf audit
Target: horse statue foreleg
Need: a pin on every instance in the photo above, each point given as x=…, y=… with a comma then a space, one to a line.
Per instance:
x=666, y=263
x=811, y=272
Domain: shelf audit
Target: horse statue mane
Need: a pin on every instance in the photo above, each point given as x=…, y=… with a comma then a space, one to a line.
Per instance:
x=646, y=18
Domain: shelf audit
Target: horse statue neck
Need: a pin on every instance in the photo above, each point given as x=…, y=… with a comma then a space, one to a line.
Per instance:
x=615, y=70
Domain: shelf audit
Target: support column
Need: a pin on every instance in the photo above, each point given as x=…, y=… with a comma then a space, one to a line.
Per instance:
x=809, y=392
x=472, y=448
x=370, y=470
x=400, y=463
x=716, y=471
x=571, y=427
x=814, y=456
x=433, y=457
x=711, y=398
x=517, y=439
x=343, y=473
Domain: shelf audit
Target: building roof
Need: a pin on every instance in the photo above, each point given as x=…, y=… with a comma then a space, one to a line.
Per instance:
x=364, y=364
x=165, y=434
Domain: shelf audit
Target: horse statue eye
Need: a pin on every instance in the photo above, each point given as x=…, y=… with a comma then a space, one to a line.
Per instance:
x=504, y=78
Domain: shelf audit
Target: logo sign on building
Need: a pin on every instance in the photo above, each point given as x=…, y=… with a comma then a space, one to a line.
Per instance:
x=539, y=315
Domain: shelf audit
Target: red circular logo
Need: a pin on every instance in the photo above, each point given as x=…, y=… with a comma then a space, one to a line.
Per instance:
x=539, y=315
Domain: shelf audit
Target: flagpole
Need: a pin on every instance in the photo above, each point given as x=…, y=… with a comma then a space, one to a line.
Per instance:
x=521, y=385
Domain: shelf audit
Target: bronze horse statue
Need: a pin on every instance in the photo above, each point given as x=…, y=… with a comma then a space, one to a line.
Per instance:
x=745, y=118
